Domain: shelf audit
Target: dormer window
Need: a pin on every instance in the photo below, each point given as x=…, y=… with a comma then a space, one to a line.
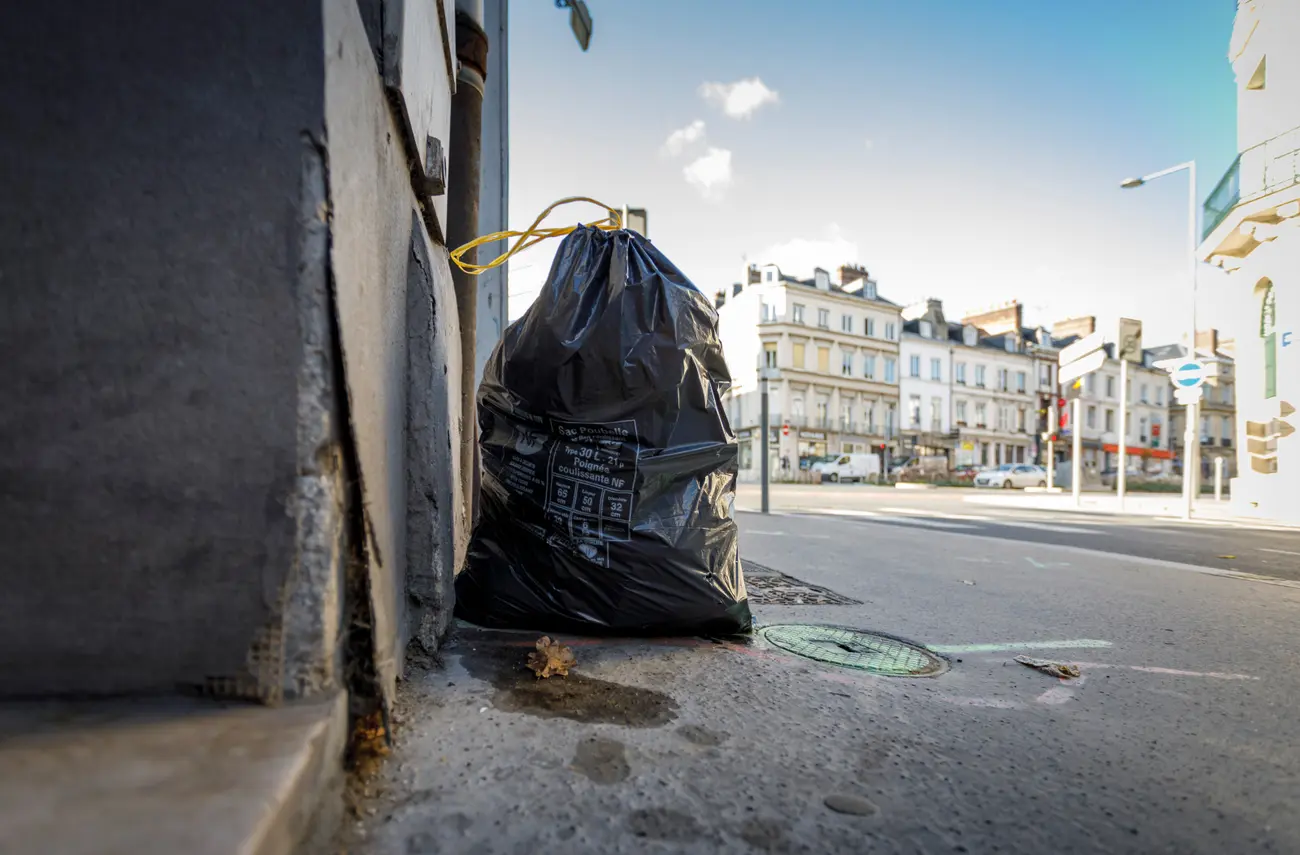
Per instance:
x=926, y=330
x=869, y=290
x=969, y=336
x=1011, y=344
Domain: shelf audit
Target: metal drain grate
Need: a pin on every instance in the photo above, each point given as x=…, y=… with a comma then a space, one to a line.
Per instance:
x=851, y=648
x=768, y=587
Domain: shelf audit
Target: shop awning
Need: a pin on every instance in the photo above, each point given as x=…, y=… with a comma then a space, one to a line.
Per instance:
x=1156, y=453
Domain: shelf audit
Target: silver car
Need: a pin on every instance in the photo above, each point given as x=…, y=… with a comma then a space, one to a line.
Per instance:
x=1010, y=475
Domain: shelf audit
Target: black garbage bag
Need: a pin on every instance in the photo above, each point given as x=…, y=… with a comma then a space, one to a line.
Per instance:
x=608, y=464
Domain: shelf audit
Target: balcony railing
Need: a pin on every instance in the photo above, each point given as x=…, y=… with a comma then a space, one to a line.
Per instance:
x=1259, y=170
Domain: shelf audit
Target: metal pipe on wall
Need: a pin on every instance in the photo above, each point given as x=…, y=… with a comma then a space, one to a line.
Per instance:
x=462, y=218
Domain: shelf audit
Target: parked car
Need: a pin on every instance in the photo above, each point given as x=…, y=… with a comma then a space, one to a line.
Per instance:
x=924, y=467
x=965, y=473
x=850, y=467
x=1010, y=475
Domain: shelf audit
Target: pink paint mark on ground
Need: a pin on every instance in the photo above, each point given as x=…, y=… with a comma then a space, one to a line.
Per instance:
x=1063, y=693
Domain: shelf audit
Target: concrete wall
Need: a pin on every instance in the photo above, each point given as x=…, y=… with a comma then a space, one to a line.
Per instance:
x=193, y=406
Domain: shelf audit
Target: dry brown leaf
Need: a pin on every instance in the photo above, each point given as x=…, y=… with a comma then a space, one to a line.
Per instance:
x=1055, y=669
x=551, y=657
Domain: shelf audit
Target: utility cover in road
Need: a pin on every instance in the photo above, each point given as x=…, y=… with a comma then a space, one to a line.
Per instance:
x=852, y=648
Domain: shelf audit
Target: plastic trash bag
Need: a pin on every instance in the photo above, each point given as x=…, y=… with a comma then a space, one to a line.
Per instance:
x=608, y=465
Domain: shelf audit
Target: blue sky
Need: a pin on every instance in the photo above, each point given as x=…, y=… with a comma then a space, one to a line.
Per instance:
x=963, y=149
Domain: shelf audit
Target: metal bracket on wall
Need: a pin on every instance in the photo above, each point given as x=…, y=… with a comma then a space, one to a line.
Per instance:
x=435, y=167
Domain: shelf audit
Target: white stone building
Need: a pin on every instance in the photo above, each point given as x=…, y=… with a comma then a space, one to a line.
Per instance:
x=1252, y=230
x=925, y=385
x=836, y=347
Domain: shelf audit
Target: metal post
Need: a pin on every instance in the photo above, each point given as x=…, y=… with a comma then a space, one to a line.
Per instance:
x=1190, y=441
x=1051, y=465
x=1076, y=453
x=1218, y=479
x=1122, y=480
x=763, y=429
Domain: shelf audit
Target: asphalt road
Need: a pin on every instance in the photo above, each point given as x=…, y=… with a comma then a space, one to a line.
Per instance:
x=1181, y=734
x=1234, y=547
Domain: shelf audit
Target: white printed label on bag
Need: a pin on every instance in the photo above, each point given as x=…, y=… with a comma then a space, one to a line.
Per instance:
x=591, y=485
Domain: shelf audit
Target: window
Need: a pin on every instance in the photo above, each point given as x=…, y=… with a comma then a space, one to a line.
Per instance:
x=846, y=323
x=1142, y=429
x=1110, y=387
x=961, y=412
x=936, y=414
x=1110, y=421
x=796, y=313
x=871, y=327
x=960, y=372
x=1205, y=430
x=981, y=415
x=1160, y=396
x=890, y=417
x=1144, y=393
x=769, y=312
x=891, y=331
x=796, y=407
x=1090, y=385
x=824, y=318
x=798, y=348
x=914, y=366
x=891, y=370
x=1092, y=417
x=914, y=411
x=769, y=354
x=846, y=363
x=979, y=376
x=1022, y=381
x=1045, y=374
x=823, y=413
x=1002, y=379
x=869, y=289
x=1002, y=418
x=1020, y=419
x=770, y=274
x=869, y=367
x=926, y=329
x=824, y=360
x=846, y=417
x=1225, y=433
x=936, y=369
x=869, y=417
x=746, y=455
x=1225, y=393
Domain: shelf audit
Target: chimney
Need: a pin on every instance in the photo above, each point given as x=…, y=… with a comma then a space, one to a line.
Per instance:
x=999, y=321
x=1086, y=325
x=850, y=273
x=822, y=279
x=1207, y=342
x=720, y=299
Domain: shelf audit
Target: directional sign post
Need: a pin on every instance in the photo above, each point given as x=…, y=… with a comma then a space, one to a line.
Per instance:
x=1188, y=376
x=1083, y=357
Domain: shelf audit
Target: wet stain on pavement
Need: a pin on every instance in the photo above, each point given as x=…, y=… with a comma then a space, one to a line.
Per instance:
x=576, y=697
x=697, y=735
x=664, y=824
x=764, y=834
x=602, y=760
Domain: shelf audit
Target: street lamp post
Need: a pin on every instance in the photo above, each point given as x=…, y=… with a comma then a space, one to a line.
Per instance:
x=1191, y=442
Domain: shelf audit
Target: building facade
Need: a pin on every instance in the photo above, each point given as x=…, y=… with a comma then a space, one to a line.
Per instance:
x=1218, y=425
x=836, y=348
x=925, y=387
x=1252, y=230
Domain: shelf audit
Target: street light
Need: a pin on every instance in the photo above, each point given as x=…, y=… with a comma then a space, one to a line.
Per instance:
x=1191, y=448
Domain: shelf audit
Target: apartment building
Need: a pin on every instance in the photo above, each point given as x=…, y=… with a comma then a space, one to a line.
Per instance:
x=835, y=345
x=1218, y=410
x=1252, y=230
x=925, y=387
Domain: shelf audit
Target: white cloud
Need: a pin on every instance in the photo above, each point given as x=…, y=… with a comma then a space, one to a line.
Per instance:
x=680, y=139
x=799, y=256
x=710, y=173
x=741, y=99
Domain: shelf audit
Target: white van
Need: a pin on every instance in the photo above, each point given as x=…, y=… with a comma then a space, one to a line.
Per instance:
x=851, y=467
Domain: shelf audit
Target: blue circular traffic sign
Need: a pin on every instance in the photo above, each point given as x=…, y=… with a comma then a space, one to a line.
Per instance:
x=1189, y=375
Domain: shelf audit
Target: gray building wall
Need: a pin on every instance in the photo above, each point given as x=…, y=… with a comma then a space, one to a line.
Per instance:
x=494, y=187
x=224, y=315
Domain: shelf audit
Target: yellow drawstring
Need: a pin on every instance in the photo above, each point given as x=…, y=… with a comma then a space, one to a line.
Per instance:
x=611, y=223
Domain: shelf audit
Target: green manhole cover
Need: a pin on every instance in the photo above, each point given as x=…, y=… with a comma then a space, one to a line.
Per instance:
x=851, y=648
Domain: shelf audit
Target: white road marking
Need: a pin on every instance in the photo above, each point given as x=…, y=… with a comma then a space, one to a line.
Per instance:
x=1059, y=529
x=928, y=523
x=784, y=534
x=846, y=512
x=1280, y=552
x=934, y=514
